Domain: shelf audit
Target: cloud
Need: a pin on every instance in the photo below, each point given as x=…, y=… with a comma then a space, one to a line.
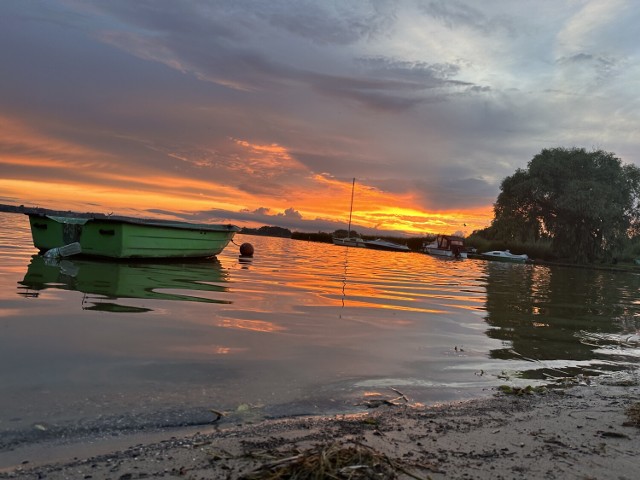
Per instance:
x=261, y=211
x=266, y=110
x=455, y=14
x=290, y=219
x=595, y=70
x=235, y=61
x=598, y=26
x=332, y=23
x=291, y=213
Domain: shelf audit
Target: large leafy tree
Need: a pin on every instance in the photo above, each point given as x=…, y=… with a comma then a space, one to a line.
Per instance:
x=586, y=202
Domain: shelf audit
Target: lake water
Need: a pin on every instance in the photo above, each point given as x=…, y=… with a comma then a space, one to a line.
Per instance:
x=302, y=328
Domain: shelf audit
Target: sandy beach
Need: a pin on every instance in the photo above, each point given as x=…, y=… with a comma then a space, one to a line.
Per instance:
x=583, y=430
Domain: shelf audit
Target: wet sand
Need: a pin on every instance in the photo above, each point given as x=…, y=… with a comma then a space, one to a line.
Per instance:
x=583, y=431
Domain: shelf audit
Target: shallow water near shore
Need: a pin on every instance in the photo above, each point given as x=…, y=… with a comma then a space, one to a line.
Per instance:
x=91, y=347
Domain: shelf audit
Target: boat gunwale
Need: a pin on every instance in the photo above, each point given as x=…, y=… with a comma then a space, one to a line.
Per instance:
x=145, y=222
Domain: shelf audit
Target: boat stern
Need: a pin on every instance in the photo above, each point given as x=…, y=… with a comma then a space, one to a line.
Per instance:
x=50, y=232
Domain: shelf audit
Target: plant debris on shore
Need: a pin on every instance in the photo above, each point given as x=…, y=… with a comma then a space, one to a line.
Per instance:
x=336, y=460
x=633, y=414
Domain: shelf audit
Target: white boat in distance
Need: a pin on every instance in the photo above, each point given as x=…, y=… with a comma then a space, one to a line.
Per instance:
x=379, y=244
x=349, y=242
x=505, y=256
x=449, y=246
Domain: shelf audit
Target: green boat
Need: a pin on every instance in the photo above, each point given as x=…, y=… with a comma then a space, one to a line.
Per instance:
x=128, y=237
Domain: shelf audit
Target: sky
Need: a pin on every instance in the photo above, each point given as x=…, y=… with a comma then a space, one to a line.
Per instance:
x=263, y=112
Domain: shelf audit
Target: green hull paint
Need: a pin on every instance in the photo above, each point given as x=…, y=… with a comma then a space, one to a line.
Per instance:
x=131, y=238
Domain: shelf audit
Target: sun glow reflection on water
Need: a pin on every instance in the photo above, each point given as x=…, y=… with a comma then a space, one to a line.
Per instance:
x=301, y=328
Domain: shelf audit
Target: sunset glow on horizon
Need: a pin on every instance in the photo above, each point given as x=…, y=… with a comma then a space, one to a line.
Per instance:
x=62, y=176
x=374, y=215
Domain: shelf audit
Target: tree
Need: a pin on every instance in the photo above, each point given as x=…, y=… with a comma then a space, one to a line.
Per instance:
x=344, y=233
x=586, y=202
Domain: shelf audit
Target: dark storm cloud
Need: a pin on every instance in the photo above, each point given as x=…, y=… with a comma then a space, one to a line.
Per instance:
x=221, y=41
x=217, y=42
x=203, y=45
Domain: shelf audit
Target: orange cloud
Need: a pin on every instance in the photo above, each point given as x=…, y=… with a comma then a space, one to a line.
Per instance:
x=84, y=196
x=53, y=173
x=20, y=144
x=267, y=160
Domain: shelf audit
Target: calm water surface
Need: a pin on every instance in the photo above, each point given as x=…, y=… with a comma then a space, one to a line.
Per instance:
x=302, y=328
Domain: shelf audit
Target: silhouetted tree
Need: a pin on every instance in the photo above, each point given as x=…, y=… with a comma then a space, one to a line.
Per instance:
x=586, y=202
x=268, y=231
x=343, y=233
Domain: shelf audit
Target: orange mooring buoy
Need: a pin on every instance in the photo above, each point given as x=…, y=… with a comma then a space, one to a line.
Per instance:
x=246, y=250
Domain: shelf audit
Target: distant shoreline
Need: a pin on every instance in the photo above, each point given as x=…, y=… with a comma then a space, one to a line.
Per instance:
x=46, y=211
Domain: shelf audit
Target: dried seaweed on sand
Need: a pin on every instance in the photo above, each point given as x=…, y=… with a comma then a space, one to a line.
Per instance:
x=633, y=415
x=333, y=461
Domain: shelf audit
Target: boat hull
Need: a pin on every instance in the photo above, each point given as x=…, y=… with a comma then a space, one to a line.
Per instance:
x=449, y=246
x=387, y=246
x=504, y=256
x=440, y=252
x=131, y=238
x=349, y=242
x=503, y=259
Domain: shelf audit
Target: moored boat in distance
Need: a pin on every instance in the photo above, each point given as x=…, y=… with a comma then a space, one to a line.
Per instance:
x=504, y=256
x=379, y=244
x=349, y=242
x=450, y=246
x=129, y=237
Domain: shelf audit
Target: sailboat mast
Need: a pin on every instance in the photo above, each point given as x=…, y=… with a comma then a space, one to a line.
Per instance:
x=353, y=186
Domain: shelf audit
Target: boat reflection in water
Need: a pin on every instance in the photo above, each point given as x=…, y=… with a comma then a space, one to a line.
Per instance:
x=132, y=280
